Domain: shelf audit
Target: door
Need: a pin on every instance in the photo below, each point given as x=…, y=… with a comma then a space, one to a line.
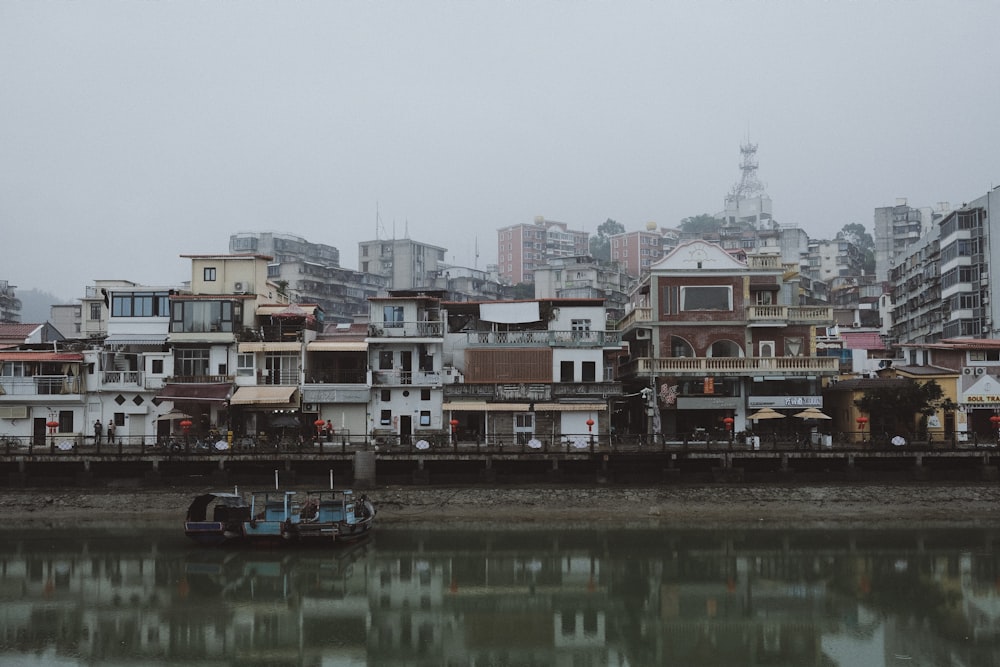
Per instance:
x=406, y=367
x=38, y=431
x=405, y=429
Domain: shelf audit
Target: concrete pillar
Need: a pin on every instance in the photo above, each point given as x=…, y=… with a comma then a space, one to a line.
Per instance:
x=364, y=469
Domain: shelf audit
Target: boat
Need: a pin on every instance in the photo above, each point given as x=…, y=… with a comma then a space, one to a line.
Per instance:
x=229, y=511
x=279, y=517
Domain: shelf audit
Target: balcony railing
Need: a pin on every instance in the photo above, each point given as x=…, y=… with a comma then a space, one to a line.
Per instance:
x=198, y=379
x=337, y=377
x=40, y=385
x=406, y=330
x=637, y=315
x=383, y=378
x=122, y=377
x=698, y=366
x=538, y=392
x=805, y=314
x=545, y=338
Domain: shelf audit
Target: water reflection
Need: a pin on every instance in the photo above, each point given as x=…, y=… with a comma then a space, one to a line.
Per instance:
x=545, y=596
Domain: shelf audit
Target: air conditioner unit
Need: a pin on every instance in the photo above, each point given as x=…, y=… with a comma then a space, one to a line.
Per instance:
x=642, y=334
x=856, y=325
x=967, y=371
x=239, y=287
x=980, y=371
x=309, y=407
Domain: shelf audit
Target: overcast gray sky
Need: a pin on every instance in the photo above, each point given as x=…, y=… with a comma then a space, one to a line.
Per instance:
x=133, y=132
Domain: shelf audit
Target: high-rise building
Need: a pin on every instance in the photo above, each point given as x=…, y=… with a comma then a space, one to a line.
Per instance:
x=636, y=251
x=522, y=248
x=899, y=226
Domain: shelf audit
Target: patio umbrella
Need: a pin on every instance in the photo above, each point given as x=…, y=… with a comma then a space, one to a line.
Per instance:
x=812, y=413
x=172, y=415
x=285, y=421
x=766, y=413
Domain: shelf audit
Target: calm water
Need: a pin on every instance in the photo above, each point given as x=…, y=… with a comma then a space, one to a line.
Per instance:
x=542, y=596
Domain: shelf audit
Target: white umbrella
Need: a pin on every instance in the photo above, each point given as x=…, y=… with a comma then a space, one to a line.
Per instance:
x=812, y=413
x=172, y=415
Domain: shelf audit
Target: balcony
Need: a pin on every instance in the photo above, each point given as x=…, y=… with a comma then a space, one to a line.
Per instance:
x=734, y=366
x=400, y=378
x=637, y=315
x=122, y=378
x=198, y=379
x=531, y=391
x=406, y=330
x=546, y=338
x=789, y=314
x=41, y=385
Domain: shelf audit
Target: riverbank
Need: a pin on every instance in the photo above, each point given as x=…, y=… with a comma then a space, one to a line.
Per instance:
x=862, y=505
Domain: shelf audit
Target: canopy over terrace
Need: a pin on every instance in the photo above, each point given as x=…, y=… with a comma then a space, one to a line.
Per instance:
x=489, y=409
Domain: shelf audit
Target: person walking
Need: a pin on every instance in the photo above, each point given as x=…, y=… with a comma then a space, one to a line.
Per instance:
x=98, y=431
x=111, y=432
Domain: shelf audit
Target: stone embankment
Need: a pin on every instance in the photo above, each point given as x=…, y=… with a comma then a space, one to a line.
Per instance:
x=709, y=506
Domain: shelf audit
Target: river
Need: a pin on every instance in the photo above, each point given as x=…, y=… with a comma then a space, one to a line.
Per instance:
x=544, y=595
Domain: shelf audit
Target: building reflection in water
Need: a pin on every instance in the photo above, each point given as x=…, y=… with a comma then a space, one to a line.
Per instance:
x=544, y=596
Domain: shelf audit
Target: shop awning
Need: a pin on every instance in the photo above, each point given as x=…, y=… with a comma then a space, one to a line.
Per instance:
x=276, y=396
x=337, y=346
x=275, y=346
x=483, y=406
x=209, y=392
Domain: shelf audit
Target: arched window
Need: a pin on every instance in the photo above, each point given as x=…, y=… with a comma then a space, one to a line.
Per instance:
x=680, y=347
x=725, y=348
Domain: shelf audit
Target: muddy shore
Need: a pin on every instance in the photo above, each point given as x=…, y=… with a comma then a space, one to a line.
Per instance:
x=710, y=506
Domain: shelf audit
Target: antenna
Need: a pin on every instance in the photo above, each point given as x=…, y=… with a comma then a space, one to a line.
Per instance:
x=475, y=263
x=749, y=184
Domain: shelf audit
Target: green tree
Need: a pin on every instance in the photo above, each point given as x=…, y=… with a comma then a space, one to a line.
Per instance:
x=600, y=245
x=893, y=407
x=856, y=233
x=701, y=224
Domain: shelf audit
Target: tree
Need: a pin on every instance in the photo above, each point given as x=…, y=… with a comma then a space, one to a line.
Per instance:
x=600, y=245
x=893, y=406
x=701, y=224
x=856, y=233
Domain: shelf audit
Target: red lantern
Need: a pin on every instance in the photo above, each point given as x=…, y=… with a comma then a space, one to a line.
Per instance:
x=186, y=424
x=319, y=424
x=996, y=421
x=728, y=421
x=590, y=425
x=454, y=425
x=861, y=422
x=53, y=425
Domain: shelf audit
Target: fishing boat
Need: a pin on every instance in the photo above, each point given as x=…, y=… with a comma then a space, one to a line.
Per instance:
x=228, y=512
x=279, y=517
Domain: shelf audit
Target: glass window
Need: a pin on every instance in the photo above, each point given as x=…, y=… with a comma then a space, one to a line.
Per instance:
x=392, y=316
x=209, y=274
x=707, y=297
x=244, y=365
x=385, y=360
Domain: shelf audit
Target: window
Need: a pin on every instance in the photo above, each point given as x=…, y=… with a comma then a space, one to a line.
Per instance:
x=244, y=365
x=588, y=371
x=793, y=346
x=706, y=297
x=385, y=417
x=566, y=371
x=580, y=325
x=209, y=274
x=140, y=304
x=205, y=316
x=385, y=360
x=95, y=311
x=281, y=368
x=190, y=361
x=392, y=316
x=763, y=299
x=156, y=366
x=425, y=394
x=385, y=395
x=425, y=417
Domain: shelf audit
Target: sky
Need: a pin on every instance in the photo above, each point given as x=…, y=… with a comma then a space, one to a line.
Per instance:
x=132, y=132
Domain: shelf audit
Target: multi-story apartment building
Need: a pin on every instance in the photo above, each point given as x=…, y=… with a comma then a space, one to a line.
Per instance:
x=311, y=273
x=585, y=278
x=718, y=338
x=403, y=263
x=462, y=283
x=523, y=248
x=899, y=226
x=530, y=372
x=636, y=251
x=942, y=285
x=833, y=261
x=10, y=305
